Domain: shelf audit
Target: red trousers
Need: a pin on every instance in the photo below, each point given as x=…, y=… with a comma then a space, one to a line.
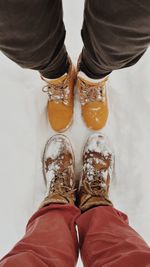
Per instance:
x=105, y=239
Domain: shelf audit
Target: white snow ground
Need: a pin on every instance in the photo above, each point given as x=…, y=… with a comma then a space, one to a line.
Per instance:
x=24, y=129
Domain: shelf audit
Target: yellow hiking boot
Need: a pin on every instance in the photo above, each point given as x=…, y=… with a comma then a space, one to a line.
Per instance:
x=61, y=99
x=93, y=99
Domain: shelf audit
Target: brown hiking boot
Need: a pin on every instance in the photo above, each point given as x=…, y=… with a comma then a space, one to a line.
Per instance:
x=98, y=163
x=93, y=99
x=58, y=169
x=61, y=99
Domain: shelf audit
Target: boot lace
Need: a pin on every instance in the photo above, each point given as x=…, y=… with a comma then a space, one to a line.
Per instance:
x=92, y=93
x=60, y=186
x=58, y=92
x=62, y=177
x=94, y=180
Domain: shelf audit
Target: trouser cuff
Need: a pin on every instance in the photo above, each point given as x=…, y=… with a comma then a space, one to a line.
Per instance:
x=90, y=68
x=56, y=67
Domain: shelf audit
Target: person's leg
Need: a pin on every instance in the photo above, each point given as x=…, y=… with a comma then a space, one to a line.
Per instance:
x=115, y=35
x=51, y=236
x=50, y=239
x=32, y=34
x=106, y=239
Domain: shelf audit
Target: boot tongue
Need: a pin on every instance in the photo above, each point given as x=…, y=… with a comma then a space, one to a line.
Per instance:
x=64, y=161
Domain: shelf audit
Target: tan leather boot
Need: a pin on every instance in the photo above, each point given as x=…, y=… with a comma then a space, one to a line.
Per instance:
x=58, y=170
x=61, y=99
x=93, y=99
x=98, y=163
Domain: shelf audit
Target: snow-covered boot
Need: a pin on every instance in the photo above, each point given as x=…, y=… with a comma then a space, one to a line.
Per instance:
x=58, y=169
x=97, y=170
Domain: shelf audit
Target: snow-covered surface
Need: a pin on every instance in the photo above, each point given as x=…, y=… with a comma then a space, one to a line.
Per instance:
x=24, y=130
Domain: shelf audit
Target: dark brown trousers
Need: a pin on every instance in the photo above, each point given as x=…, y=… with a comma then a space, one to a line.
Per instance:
x=115, y=35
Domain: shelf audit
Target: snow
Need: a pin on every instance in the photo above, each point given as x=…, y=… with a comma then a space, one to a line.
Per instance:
x=25, y=130
x=97, y=143
x=54, y=148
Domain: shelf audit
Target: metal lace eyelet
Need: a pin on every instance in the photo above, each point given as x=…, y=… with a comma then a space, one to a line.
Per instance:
x=45, y=89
